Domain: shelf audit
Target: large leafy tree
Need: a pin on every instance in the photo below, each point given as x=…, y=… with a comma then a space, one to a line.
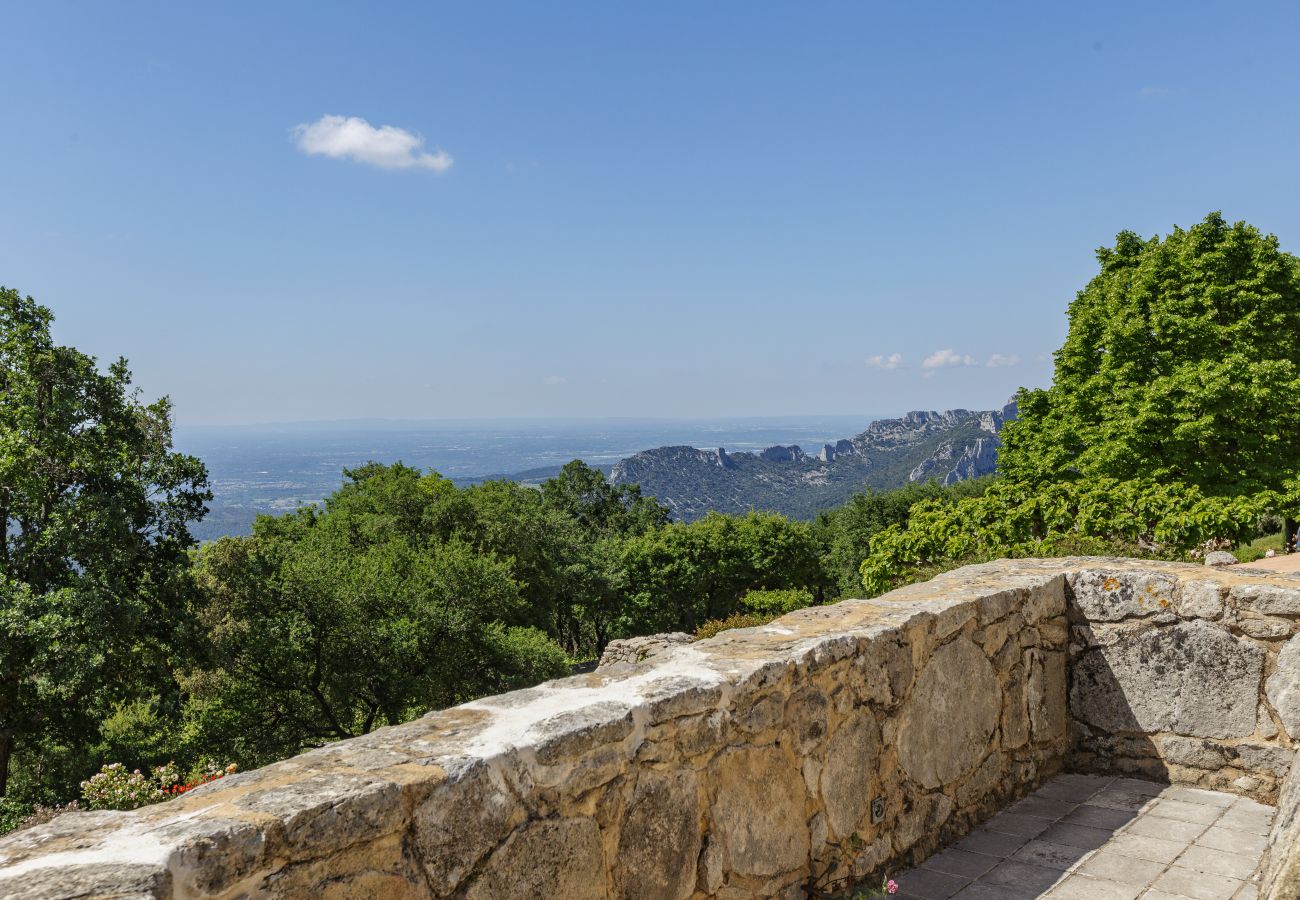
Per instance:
x=1182, y=364
x=845, y=532
x=601, y=508
x=94, y=506
x=324, y=624
x=682, y=575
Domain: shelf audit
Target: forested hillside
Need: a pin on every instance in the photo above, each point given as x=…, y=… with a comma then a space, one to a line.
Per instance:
x=921, y=446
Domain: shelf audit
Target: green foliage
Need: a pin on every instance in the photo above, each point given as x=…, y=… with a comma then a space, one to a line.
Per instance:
x=776, y=603
x=845, y=532
x=116, y=787
x=1016, y=520
x=12, y=813
x=684, y=574
x=736, y=620
x=94, y=507
x=1259, y=547
x=598, y=507
x=324, y=624
x=1181, y=366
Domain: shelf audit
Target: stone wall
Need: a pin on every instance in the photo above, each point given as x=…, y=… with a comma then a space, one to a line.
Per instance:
x=1186, y=674
x=745, y=765
x=1280, y=869
x=623, y=654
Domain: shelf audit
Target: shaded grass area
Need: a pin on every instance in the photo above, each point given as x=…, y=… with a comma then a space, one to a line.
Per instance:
x=1258, y=547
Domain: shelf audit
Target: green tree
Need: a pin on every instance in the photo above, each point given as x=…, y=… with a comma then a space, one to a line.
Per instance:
x=1181, y=364
x=326, y=624
x=600, y=508
x=845, y=532
x=94, y=506
x=682, y=575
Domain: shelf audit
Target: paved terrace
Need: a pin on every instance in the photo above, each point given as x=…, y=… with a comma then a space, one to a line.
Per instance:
x=1088, y=837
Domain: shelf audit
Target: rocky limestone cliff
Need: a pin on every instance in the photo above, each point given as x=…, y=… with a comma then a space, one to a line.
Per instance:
x=948, y=446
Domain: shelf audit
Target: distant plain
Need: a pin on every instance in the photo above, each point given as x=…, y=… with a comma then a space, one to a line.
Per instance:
x=274, y=468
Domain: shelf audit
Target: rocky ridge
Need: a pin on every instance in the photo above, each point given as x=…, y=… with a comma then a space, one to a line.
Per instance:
x=949, y=446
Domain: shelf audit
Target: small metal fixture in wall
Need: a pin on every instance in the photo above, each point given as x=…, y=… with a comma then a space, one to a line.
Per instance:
x=877, y=810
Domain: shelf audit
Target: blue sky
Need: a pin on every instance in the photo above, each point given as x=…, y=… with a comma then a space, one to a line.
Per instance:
x=668, y=209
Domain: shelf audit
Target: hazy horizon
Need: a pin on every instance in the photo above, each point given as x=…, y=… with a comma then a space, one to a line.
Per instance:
x=277, y=467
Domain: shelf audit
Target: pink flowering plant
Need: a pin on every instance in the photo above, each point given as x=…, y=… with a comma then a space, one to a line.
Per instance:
x=828, y=886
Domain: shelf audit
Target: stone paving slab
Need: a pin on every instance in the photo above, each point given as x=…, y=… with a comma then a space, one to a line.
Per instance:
x=1084, y=837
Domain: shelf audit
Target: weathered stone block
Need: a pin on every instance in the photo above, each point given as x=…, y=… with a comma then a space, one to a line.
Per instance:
x=1192, y=678
x=846, y=778
x=805, y=719
x=460, y=823
x=1200, y=599
x=659, y=838
x=1015, y=711
x=1046, y=694
x=758, y=811
x=1265, y=629
x=1195, y=752
x=550, y=858
x=1283, y=687
x=1268, y=599
x=1109, y=596
x=948, y=722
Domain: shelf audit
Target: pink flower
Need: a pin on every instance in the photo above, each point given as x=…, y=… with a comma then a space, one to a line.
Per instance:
x=891, y=886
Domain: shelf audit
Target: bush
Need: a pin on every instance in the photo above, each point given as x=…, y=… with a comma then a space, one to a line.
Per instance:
x=776, y=603
x=12, y=813
x=114, y=787
x=1100, y=516
x=739, y=620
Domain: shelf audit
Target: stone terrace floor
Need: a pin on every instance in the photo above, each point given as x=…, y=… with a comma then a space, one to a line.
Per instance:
x=1083, y=837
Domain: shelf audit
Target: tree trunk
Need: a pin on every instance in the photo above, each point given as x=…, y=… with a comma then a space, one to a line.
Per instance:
x=1289, y=536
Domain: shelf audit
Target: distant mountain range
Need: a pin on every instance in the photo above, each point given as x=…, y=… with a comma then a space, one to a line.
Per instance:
x=945, y=446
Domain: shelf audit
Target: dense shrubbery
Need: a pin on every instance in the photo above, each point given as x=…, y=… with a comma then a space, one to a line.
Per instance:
x=845, y=532
x=1100, y=515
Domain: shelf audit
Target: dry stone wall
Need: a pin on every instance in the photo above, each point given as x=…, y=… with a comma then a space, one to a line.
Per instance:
x=725, y=768
x=1185, y=673
x=1280, y=869
x=857, y=736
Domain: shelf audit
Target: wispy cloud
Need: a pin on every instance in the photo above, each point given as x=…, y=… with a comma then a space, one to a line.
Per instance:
x=555, y=379
x=998, y=360
x=942, y=359
x=1153, y=91
x=353, y=138
x=892, y=361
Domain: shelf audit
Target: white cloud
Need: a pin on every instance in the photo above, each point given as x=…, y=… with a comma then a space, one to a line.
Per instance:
x=892, y=361
x=356, y=139
x=555, y=379
x=997, y=360
x=941, y=359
